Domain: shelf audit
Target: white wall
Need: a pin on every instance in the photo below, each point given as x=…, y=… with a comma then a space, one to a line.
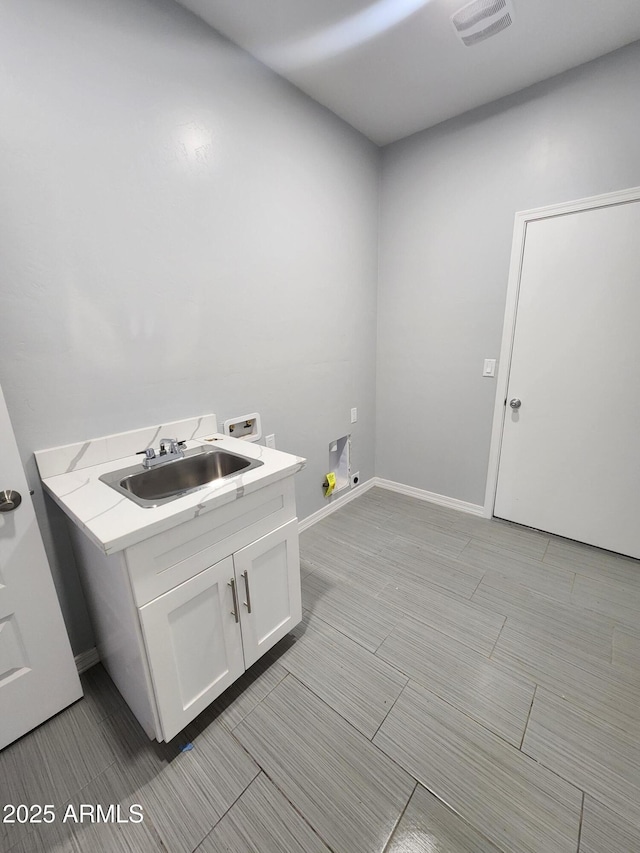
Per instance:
x=448, y=200
x=180, y=232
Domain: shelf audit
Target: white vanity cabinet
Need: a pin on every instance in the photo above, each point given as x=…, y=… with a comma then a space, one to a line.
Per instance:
x=202, y=635
x=180, y=616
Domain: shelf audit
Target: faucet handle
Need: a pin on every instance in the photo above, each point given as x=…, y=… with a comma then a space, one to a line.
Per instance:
x=148, y=453
x=149, y=456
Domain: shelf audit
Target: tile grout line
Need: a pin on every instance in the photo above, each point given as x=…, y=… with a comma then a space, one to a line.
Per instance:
x=162, y=848
x=553, y=771
x=484, y=574
x=391, y=708
x=64, y=803
x=333, y=710
x=390, y=758
x=613, y=637
x=252, y=757
x=231, y=728
x=374, y=654
x=466, y=546
x=353, y=640
x=348, y=723
x=535, y=690
x=232, y=731
x=506, y=742
x=412, y=617
x=400, y=816
x=246, y=788
x=148, y=818
x=580, y=824
x=381, y=644
x=300, y=814
x=459, y=815
x=414, y=681
x=576, y=703
x=507, y=547
x=493, y=648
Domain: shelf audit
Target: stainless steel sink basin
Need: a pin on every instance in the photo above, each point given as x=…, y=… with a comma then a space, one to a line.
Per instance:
x=199, y=468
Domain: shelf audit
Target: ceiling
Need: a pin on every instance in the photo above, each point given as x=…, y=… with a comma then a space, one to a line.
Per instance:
x=393, y=67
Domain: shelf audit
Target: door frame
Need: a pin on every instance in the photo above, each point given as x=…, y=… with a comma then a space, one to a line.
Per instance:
x=522, y=220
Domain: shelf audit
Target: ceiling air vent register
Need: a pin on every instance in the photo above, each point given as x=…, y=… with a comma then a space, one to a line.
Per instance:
x=482, y=19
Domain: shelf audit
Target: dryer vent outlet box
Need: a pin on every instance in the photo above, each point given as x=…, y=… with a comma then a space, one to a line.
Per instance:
x=482, y=19
x=340, y=461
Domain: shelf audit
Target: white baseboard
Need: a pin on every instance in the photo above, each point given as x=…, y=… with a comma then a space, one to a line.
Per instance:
x=335, y=504
x=431, y=497
x=410, y=491
x=85, y=660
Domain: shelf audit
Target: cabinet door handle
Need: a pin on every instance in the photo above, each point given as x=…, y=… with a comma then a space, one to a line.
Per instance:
x=232, y=584
x=247, y=603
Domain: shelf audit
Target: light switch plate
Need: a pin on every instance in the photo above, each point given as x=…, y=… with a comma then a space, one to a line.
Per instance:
x=489, y=367
x=354, y=415
x=270, y=440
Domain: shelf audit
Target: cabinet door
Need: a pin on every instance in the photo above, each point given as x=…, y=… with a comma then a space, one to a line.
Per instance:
x=194, y=645
x=268, y=578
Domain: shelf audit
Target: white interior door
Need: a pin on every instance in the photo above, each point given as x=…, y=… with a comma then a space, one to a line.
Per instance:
x=38, y=675
x=570, y=454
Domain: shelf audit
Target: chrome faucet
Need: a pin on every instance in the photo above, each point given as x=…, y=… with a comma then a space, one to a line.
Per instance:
x=175, y=451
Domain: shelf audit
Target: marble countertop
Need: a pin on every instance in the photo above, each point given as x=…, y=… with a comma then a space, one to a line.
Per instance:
x=114, y=522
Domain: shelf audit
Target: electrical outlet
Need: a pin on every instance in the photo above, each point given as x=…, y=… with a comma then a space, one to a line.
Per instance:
x=355, y=478
x=271, y=441
x=354, y=415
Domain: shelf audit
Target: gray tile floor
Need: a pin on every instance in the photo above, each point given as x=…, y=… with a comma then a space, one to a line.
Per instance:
x=456, y=685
